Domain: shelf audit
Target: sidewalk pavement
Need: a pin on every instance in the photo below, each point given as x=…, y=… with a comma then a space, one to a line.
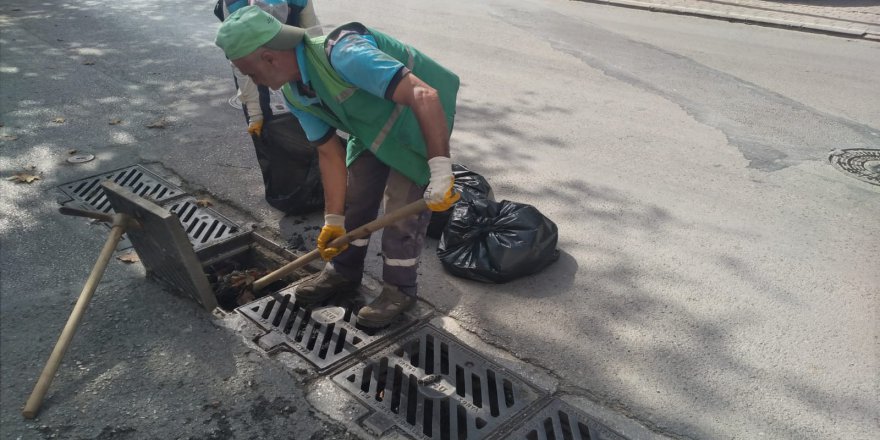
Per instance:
x=850, y=18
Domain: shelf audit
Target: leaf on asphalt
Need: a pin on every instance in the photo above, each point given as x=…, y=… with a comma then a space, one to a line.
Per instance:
x=71, y=151
x=131, y=257
x=88, y=63
x=160, y=123
x=23, y=177
x=58, y=120
x=204, y=203
x=115, y=121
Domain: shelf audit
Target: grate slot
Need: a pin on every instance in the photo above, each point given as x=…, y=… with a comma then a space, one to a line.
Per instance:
x=281, y=311
x=124, y=178
x=428, y=359
x=88, y=193
x=210, y=231
x=95, y=191
x=395, y=389
x=79, y=188
x=492, y=393
x=426, y=400
x=560, y=421
x=325, y=334
x=203, y=226
x=103, y=205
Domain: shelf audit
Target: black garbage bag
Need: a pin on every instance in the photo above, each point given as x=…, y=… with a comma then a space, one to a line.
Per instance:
x=289, y=164
x=495, y=242
x=471, y=186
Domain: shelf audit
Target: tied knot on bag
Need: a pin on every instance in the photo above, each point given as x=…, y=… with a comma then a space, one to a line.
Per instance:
x=481, y=227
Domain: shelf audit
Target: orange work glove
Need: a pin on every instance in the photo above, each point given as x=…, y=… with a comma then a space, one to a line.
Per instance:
x=440, y=195
x=334, y=227
x=256, y=127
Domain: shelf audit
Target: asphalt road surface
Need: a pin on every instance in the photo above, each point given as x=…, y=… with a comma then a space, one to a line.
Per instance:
x=718, y=276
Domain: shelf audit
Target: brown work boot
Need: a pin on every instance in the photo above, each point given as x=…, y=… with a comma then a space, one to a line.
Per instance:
x=323, y=286
x=382, y=311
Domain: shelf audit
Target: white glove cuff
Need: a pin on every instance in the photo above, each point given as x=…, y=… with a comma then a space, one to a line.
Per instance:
x=334, y=220
x=440, y=166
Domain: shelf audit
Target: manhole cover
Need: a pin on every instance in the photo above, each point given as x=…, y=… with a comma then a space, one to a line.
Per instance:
x=276, y=102
x=324, y=335
x=235, y=102
x=563, y=422
x=137, y=179
x=81, y=158
x=433, y=387
x=203, y=226
x=863, y=164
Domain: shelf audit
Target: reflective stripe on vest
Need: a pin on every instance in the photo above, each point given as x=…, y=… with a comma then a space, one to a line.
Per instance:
x=398, y=109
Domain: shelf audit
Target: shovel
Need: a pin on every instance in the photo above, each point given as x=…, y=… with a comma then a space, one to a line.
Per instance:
x=361, y=232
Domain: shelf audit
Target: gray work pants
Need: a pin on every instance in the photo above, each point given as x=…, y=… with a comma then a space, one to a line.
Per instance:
x=368, y=181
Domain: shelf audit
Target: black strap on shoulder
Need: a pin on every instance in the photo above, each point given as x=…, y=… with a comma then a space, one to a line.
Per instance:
x=341, y=32
x=218, y=10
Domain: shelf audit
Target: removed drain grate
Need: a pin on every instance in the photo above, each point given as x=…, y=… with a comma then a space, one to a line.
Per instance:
x=324, y=335
x=203, y=226
x=561, y=421
x=136, y=179
x=863, y=164
x=433, y=387
x=162, y=245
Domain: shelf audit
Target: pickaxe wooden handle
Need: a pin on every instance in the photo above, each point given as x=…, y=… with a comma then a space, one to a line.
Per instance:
x=361, y=232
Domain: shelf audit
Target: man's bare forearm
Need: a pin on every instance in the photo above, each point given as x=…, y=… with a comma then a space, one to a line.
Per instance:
x=424, y=102
x=331, y=159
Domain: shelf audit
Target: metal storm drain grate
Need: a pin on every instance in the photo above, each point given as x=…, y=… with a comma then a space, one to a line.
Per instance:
x=136, y=179
x=863, y=164
x=324, y=335
x=433, y=387
x=203, y=226
x=560, y=421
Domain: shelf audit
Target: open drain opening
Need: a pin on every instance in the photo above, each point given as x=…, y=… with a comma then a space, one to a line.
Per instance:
x=435, y=388
x=231, y=278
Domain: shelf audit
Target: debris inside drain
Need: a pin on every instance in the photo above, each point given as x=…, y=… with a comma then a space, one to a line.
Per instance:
x=232, y=276
x=235, y=288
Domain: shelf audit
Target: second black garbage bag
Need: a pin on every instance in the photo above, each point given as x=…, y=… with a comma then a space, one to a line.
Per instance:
x=495, y=242
x=471, y=186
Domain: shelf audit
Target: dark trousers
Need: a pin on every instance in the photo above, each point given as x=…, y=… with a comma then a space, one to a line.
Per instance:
x=369, y=182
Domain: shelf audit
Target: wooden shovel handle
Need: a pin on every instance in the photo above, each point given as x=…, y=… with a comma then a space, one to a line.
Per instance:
x=66, y=210
x=32, y=407
x=361, y=232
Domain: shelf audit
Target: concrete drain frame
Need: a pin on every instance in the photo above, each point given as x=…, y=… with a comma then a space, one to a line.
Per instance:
x=432, y=386
x=561, y=421
x=859, y=163
x=326, y=334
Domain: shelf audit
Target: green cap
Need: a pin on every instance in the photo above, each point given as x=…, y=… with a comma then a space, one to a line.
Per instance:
x=250, y=28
